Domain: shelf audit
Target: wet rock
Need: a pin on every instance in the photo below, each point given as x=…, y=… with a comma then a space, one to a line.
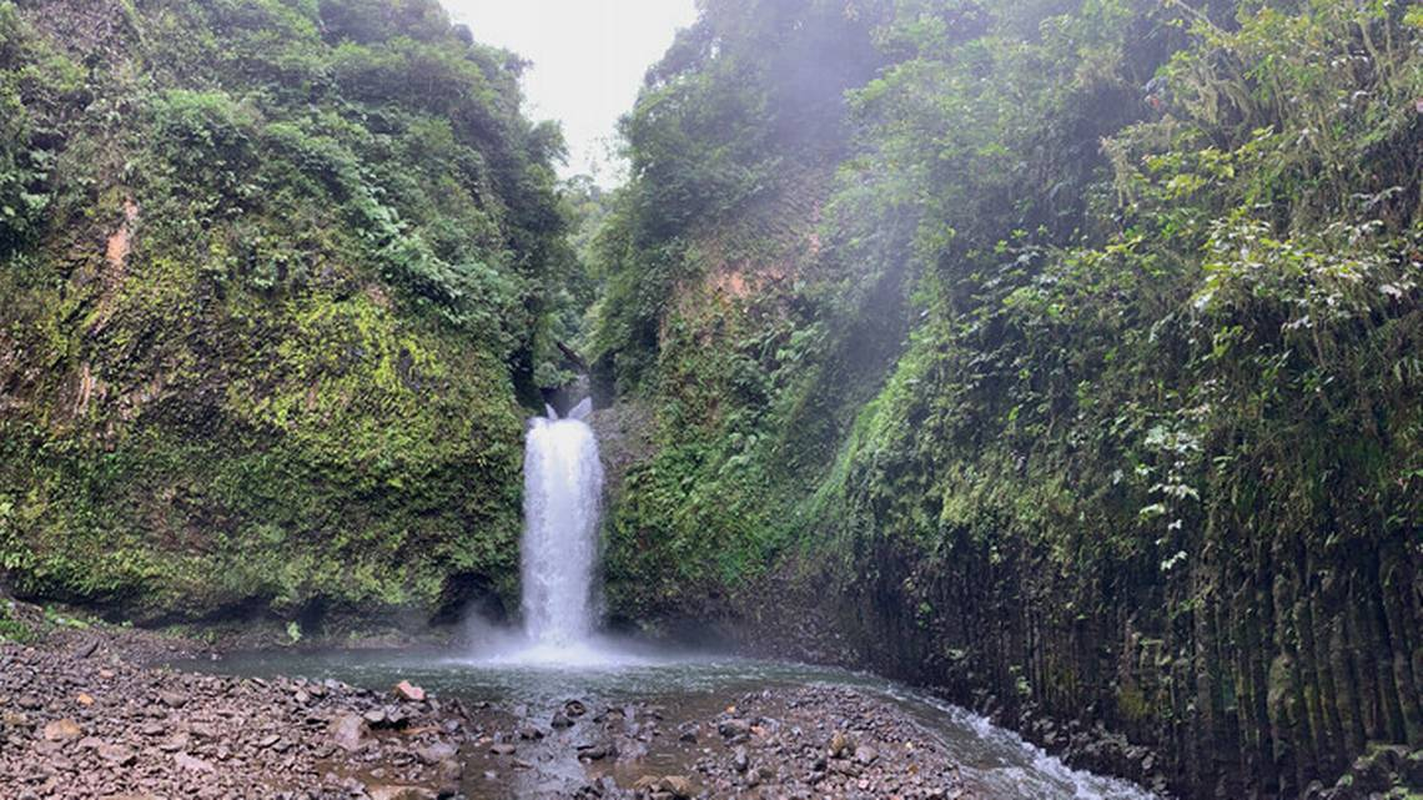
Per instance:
x=561, y=720
x=574, y=709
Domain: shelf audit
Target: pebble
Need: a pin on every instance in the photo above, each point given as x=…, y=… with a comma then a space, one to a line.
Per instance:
x=96, y=724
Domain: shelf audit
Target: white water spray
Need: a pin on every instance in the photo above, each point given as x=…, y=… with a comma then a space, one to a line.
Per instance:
x=563, y=487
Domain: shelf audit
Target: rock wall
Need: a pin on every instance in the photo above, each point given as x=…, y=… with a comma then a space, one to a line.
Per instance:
x=266, y=304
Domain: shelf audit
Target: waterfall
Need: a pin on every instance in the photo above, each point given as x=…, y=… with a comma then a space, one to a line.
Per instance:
x=563, y=485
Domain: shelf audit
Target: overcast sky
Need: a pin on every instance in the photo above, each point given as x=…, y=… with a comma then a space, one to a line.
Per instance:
x=589, y=58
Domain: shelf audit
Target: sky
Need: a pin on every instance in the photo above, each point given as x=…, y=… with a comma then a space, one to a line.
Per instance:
x=588, y=57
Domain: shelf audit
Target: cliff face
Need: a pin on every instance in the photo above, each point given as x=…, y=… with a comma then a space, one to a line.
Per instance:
x=272, y=275
x=1068, y=364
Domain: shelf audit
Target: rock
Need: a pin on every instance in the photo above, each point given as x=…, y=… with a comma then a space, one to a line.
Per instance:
x=844, y=767
x=84, y=699
x=203, y=730
x=740, y=760
x=173, y=699
x=86, y=649
x=839, y=744
x=349, y=732
x=29, y=702
x=192, y=763
x=62, y=730
x=530, y=733
x=866, y=755
x=436, y=753
x=502, y=749
x=375, y=717
x=383, y=792
x=409, y=692
x=593, y=752
x=450, y=771
x=574, y=709
x=676, y=785
x=117, y=754
x=733, y=727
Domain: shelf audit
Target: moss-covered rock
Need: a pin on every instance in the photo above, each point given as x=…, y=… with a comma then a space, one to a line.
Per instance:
x=273, y=274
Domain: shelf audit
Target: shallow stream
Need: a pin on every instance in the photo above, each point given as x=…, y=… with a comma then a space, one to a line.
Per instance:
x=995, y=762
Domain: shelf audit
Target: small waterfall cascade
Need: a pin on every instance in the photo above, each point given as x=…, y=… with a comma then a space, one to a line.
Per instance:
x=563, y=486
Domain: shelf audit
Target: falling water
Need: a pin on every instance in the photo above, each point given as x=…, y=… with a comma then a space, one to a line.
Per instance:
x=563, y=484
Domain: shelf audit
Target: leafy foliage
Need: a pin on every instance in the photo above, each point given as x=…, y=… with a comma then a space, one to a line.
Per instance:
x=1101, y=340
x=274, y=272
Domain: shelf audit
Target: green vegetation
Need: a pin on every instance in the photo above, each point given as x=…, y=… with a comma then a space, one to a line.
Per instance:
x=12, y=629
x=274, y=273
x=1062, y=353
x=1073, y=345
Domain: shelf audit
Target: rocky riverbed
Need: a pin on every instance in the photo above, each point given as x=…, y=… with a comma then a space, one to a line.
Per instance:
x=792, y=742
x=82, y=716
x=85, y=712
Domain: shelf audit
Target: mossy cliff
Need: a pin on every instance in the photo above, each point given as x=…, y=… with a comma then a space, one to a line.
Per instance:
x=273, y=274
x=1061, y=355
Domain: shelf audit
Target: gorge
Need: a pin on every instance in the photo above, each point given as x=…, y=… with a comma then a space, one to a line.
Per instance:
x=1048, y=367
